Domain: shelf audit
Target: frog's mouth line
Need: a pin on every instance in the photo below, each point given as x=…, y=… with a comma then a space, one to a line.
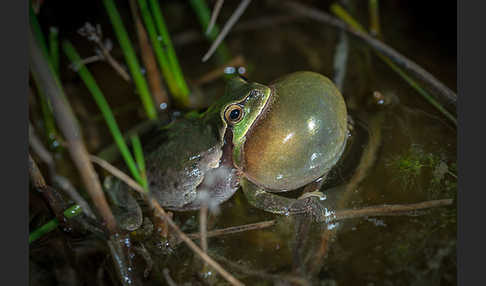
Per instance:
x=227, y=156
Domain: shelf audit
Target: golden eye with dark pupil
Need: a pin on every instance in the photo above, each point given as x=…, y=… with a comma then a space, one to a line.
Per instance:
x=233, y=114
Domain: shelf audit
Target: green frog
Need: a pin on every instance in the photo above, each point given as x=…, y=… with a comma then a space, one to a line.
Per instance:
x=266, y=139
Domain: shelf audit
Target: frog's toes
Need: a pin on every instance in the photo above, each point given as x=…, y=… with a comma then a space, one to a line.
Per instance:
x=316, y=194
x=310, y=204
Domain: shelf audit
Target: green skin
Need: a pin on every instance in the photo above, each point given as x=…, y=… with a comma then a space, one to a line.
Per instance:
x=290, y=135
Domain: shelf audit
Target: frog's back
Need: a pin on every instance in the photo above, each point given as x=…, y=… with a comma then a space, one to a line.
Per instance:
x=177, y=159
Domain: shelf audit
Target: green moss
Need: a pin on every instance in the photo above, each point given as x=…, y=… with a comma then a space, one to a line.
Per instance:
x=415, y=165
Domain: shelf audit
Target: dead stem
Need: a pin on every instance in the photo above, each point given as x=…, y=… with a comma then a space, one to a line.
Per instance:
x=227, y=27
x=153, y=74
x=219, y=71
x=96, y=35
x=214, y=15
x=69, y=128
x=442, y=91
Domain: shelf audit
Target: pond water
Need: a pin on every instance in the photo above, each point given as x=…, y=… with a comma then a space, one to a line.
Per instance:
x=414, y=158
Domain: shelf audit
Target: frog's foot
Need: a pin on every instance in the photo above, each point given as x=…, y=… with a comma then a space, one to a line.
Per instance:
x=310, y=204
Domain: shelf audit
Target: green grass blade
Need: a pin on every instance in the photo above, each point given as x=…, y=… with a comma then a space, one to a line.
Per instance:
x=137, y=150
x=131, y=58
x=54, y=49
x=50, y=125
x=36, y=29
x=72, y=211
x=204, y=15
x=160, y=54
x=166, y=42
x=92, y=86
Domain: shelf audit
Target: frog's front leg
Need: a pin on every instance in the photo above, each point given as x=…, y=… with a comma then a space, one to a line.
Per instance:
x=309, y=203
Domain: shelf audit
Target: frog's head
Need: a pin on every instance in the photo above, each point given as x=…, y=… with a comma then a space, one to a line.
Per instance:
x=238, y=109
x=284, y=135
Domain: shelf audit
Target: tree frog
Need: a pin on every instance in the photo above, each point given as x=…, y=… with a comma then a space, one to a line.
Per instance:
x=266, y=139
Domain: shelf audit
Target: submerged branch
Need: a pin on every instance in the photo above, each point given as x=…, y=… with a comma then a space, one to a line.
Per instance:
x=442, y=91
x=389, y=210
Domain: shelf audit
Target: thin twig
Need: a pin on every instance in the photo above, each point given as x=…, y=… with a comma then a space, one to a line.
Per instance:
x=227, y=27
x=214, y=15
x=389, y=210
x=235, y=229
x=95, y=35
x=117, y=173
x=88, y=60
x=443, y=91
x=163, y=215
x=65, y=119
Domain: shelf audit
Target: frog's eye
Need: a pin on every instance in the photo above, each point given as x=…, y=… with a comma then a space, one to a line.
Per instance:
x=233, y=114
